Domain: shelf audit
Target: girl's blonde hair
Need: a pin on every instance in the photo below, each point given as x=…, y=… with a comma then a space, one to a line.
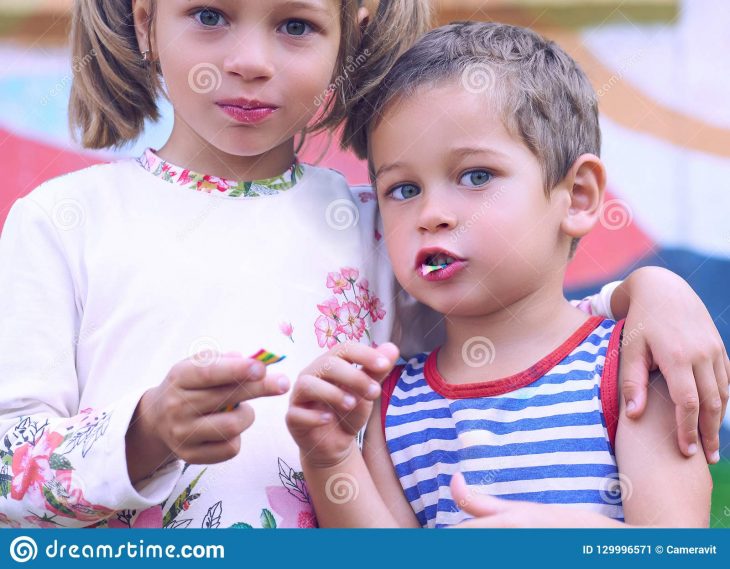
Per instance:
x=115, y=91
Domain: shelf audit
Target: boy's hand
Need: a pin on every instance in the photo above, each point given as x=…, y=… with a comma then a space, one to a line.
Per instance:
x=183, y=416
x=493, y=512
x=668, y=328
x=332, y=400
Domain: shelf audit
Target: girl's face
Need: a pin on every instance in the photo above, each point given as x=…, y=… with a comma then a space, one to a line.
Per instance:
x=245, y=75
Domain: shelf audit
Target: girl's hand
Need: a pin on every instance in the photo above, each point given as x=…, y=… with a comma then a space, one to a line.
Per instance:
x=492, y=512
x=332, y=400
x=668, y=328
x=183, y=417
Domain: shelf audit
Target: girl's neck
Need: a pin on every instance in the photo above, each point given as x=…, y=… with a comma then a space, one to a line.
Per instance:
x=500, y=344
x=186, y=149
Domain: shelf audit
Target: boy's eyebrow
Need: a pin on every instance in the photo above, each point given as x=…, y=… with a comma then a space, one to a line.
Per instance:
x=462, y=152
x=387, y=168
x=467, y=151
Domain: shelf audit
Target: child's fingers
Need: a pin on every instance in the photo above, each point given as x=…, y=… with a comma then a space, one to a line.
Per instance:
x=710, y=407
x=311, y=389
x=345, y=375
x=224, y=371
x=301, y=419
x=212, y=453
x=375, y=361
x=221, y=426
x=271, y=386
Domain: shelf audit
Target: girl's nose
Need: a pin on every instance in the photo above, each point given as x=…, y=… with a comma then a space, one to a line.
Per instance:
x=250, y=59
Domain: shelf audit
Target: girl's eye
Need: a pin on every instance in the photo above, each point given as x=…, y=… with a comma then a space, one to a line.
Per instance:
x=404, y=192
x=296, y=28
x=476, y=178
x=209, y=18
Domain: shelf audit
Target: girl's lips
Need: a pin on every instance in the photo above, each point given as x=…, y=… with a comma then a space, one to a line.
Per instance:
x=248, y=115
x=443, y=274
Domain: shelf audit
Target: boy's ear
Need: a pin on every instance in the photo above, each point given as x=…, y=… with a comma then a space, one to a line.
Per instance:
x=586, y=183
x=142, y=13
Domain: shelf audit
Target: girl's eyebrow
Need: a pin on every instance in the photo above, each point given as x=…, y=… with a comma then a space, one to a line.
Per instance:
x=302, y=4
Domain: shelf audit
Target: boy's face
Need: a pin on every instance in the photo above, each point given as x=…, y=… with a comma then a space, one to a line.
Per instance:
x=451, y=178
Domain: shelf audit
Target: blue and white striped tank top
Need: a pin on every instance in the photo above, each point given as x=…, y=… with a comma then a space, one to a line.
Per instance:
x=544, y=435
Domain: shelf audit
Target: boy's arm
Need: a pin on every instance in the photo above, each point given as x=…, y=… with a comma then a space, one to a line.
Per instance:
x=668, y=328
x=351, y=495
x=660, y=487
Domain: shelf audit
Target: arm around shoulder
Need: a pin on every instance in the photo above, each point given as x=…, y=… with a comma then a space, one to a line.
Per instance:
x=660, y=486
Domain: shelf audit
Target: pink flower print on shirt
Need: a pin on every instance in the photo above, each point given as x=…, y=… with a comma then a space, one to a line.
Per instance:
x=337, y=283
x=350, y=274
x=329, y=308
x=377, y=312
x=6, y=521
x=65, y=497
x=149, y=518
x=294, y=513
x=291, y=500
x=351, y=324
x=326, y=328
x=346, y=318
x=367, y=196
x=31, y=466
x=210, y=183
x=287, y=329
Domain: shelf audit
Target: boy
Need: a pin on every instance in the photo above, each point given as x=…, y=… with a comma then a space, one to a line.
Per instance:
x=484, y=144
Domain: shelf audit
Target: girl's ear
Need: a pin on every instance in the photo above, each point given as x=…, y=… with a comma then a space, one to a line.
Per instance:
x=363, y=17
x=142, y=13
x=586, y=182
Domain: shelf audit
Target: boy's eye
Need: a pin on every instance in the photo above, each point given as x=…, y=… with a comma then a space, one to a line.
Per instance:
x=476, y=178
x=296, y=28
x=404, y=192
x=209, y=18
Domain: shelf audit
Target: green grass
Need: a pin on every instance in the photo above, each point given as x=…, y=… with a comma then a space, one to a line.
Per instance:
x=720, y=517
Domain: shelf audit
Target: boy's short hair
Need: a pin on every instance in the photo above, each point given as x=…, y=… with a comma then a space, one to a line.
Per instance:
x=543, y=95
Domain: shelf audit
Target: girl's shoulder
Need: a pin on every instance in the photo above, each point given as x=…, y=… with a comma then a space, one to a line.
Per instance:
x=93, y=182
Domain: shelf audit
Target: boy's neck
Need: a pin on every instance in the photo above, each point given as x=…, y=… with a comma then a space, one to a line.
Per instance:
x=186, y=149
x=508, y=341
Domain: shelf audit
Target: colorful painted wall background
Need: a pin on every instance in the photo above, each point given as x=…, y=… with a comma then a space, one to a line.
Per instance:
x=660, y=69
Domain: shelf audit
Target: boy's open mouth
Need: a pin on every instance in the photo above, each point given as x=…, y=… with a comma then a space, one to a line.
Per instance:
x=436, y=262
x=434, y=259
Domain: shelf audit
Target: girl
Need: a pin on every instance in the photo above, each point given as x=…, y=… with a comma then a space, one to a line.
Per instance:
x=133, y=291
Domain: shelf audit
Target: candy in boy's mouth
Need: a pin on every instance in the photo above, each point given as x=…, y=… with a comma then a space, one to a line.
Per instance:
x=434, y=263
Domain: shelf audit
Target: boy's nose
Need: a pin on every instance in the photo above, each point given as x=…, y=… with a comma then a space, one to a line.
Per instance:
x=436, y=215
x=250, y=59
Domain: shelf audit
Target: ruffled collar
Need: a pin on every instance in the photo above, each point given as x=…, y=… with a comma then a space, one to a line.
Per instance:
x=214, y=185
